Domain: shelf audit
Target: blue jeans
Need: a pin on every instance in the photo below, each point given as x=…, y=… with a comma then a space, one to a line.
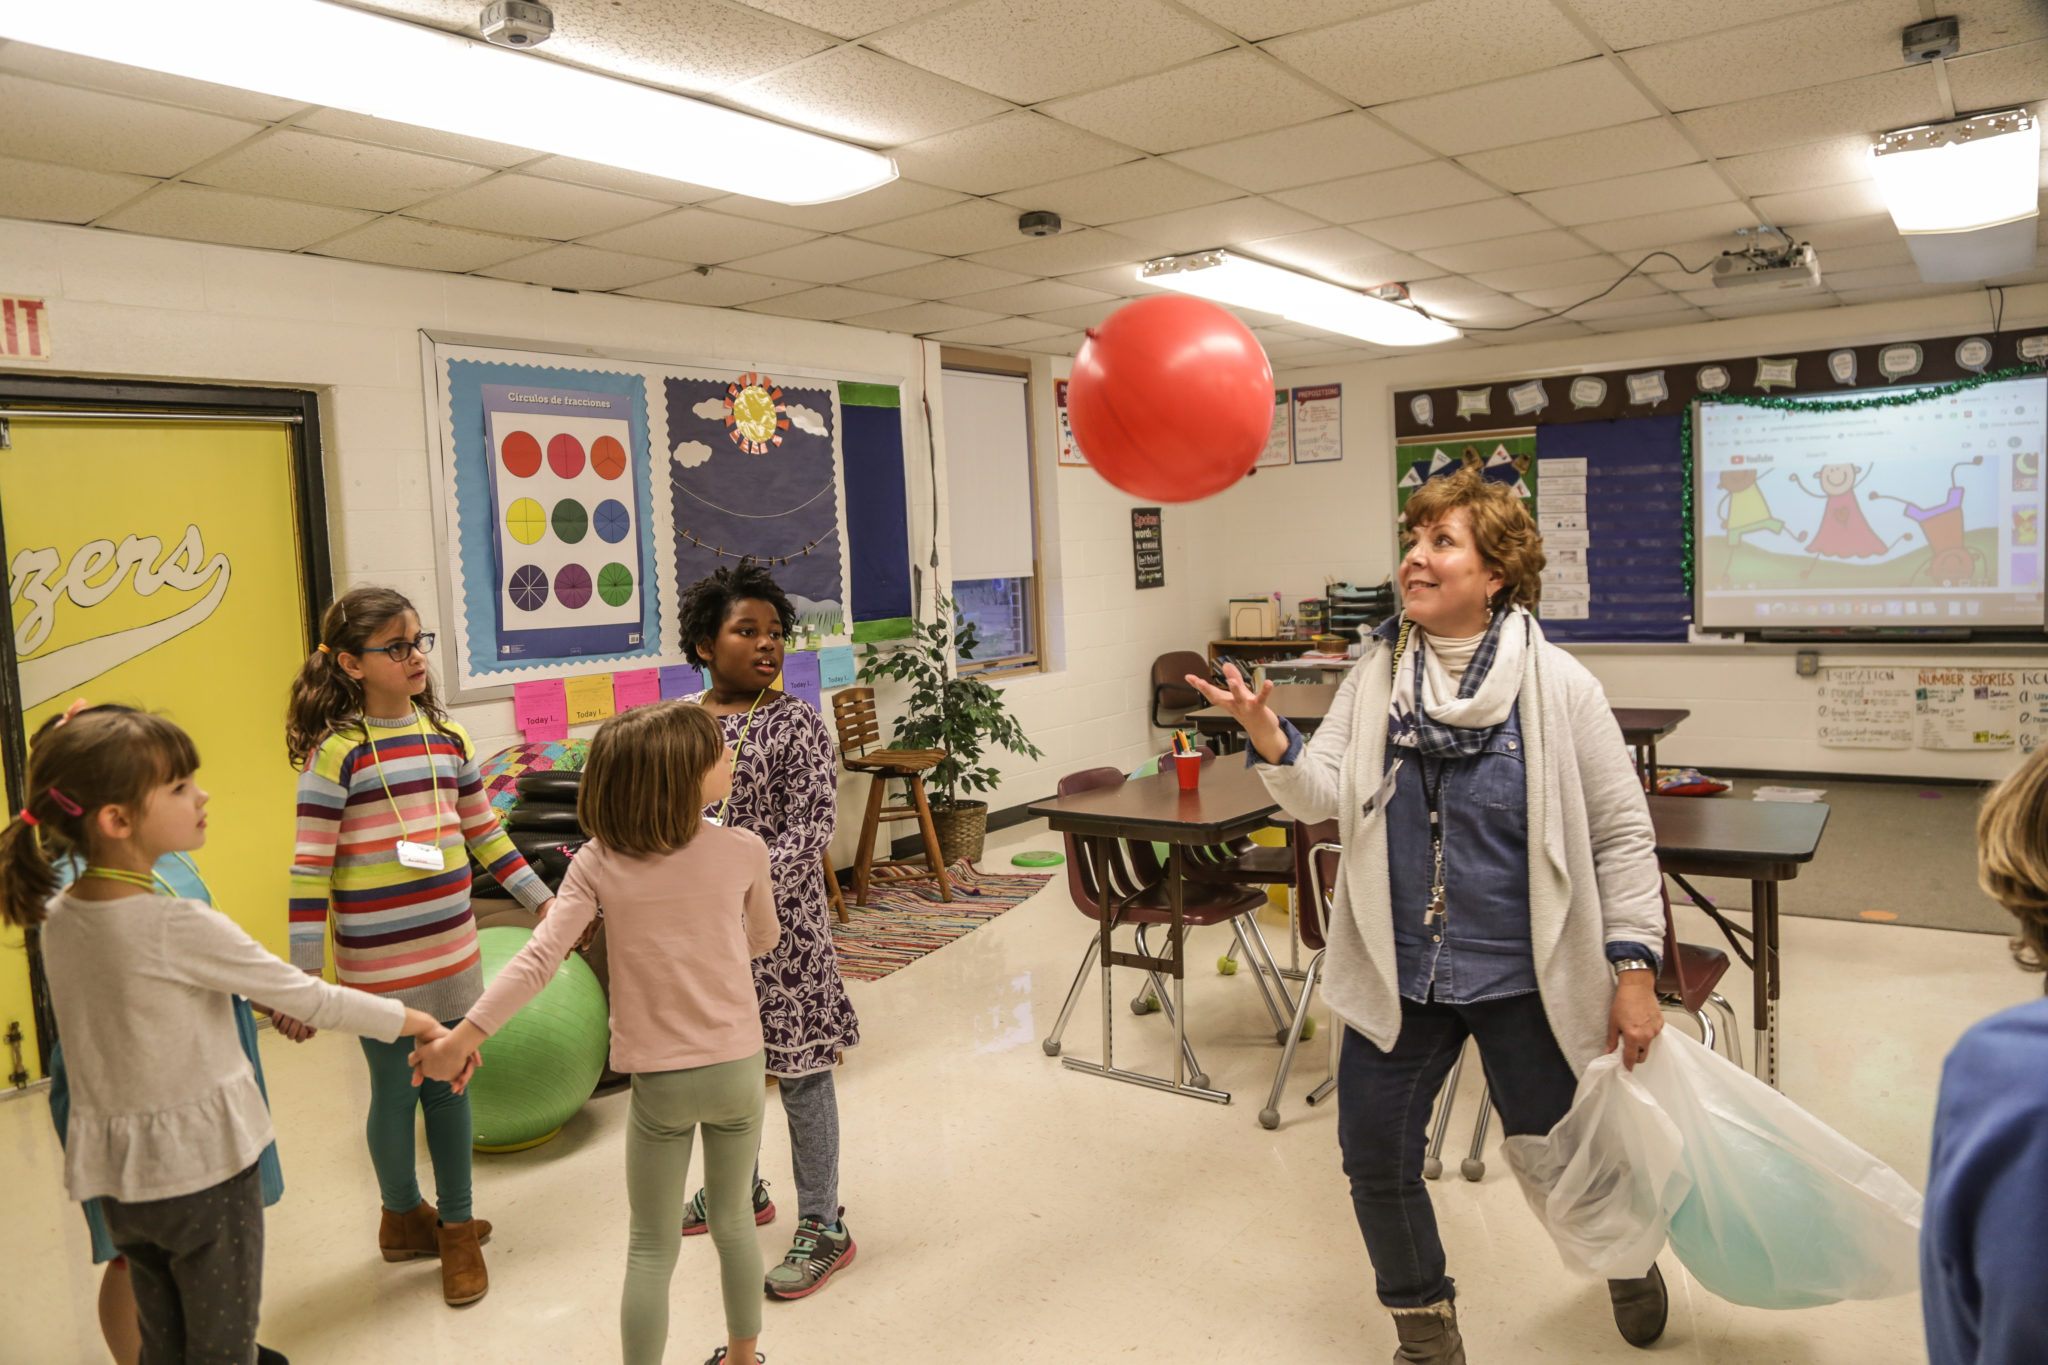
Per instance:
x=1383, y=1105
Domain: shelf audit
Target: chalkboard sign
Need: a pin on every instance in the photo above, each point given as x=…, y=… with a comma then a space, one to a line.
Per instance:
x=1148, y=551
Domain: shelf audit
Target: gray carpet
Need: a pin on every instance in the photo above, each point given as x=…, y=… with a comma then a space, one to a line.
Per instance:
x=1892, y=849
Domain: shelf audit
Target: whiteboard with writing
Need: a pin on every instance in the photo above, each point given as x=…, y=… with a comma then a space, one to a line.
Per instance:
x=1866, y=708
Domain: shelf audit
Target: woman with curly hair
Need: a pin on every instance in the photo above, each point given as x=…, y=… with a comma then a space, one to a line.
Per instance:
x=785, y=789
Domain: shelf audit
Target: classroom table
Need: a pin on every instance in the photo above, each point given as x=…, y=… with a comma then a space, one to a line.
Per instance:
x=1304, y=704
x=1641, y=728
x=1761, y=842
x=1231, y=801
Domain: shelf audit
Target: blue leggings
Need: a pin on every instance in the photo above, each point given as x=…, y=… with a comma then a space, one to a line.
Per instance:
x=449, y=1133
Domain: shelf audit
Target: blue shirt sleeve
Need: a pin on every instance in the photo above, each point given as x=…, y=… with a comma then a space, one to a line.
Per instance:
x=1252, y=756
x=1635, y=952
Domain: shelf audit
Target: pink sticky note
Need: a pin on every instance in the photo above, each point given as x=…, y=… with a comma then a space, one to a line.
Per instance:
x=542, y=710
x=636, y=688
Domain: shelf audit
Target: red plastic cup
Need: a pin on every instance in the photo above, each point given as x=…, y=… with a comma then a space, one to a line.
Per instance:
x=1190, y=768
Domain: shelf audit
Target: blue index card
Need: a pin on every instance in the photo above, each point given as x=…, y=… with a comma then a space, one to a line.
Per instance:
x=836, y=667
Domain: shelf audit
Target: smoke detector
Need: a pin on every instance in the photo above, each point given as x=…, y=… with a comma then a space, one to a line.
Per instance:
x=1039, y=223
x=516, y=23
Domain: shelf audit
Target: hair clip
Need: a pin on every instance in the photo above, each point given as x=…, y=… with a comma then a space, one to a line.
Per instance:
x=65, y=803
x=72, y=710
x=29, y=819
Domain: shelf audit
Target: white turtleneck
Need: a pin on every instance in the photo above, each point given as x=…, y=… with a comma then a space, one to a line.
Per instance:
x=1455, y=655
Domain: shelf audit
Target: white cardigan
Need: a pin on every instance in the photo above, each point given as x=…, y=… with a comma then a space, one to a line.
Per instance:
x=1593, y=877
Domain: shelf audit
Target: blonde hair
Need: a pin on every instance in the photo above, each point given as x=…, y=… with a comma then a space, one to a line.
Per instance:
x=2012, y=856
x=643, y=786
x=1502, y=530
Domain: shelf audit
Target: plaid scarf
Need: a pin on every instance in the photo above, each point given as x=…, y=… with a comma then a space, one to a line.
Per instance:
x=1462, y=723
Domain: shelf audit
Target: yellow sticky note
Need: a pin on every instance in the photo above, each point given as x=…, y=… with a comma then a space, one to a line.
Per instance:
x=590, y=699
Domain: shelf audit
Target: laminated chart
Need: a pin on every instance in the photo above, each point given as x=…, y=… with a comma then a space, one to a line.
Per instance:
x=568, y=570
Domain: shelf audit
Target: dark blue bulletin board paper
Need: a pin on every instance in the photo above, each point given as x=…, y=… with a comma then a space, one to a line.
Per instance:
x=877, y=511
x=1635, y=482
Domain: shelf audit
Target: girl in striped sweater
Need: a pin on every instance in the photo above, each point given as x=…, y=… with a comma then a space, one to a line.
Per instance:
x=389, y=797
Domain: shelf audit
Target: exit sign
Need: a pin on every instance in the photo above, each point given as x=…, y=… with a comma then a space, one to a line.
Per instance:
x=24, y=328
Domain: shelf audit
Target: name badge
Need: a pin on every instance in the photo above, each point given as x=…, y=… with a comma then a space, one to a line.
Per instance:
x=420, y=857
x=1385, y=791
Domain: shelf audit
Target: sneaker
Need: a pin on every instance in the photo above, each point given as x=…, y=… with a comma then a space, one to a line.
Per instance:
x=813, y=1256
x=718, y=1358
x=697, y=1213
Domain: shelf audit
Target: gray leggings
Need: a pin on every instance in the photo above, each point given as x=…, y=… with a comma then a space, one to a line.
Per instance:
x=196, y=1262
x=811, y=1105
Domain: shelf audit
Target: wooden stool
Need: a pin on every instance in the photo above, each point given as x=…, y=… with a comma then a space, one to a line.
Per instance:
x=837, y=901
x=853, y=710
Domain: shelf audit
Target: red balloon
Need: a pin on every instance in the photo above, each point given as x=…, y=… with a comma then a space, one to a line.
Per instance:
x=1171, y=398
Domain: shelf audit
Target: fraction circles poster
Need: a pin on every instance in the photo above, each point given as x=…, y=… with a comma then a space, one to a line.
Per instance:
x=569, y=575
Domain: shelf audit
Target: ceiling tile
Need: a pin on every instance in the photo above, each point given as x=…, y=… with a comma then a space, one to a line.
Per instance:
x=70, y=69
x=897, y=199
x=1551, y=274
x=1411, y=189
x=941, y=280
x=63, y=194
x=96, y=132
x=1065, y=343
x=1229, y=94
x=1039, y=296
x=1632, y=195
x=582, y=267
x=719, y=288
x=1872, y=277
x=1086, y=315
x=1638, y=23
x=1349, y=144
x=531, y=207
x=294, y=164
x=1032, y=50
x=1437, y=45
x=699, y=236
x=1452, y=226
x=386, y=133
x=1118, y=281
x=971, y=225
x=826, y=305
x=1874, y=230
x=1653, y=309
x=1790, y=53
x=1863, y=257
x=1132, y=190
x=1678, y=315
x=1625, y=236
x=1002, y=332
x=1225, y=224
x=1628, y=149
x=1734, y=303
x=1088, y=249
x=1257, y=19
x=1988, y=24
x=1556, y=296
x=1812, y=165
x=1559, y=330
x=1455, y=299
x=1528, y=248
x=1342, y=255
x=688, y=45
x=1005, y=153
x=850, y=92
x=2010, y=75
x=617, y=178
x=849, y=18
x=1894, y=99
x=1547, y=104
x=832, y=260
x=920, y=318
x=203, y=215
x=426, y=246
x=1827, y=205
x=1886, y=294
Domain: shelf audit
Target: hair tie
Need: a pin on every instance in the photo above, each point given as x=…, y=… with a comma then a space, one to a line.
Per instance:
x=28, y=819
x=65, y=803
x=323, y=648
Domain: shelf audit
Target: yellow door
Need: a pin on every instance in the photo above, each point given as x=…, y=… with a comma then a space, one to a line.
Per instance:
x=157, y=564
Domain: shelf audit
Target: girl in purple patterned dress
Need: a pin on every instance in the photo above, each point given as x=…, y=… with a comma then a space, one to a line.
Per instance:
x=785, y=789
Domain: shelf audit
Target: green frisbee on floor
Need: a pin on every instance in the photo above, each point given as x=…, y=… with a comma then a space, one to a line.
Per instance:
x=1040, y=859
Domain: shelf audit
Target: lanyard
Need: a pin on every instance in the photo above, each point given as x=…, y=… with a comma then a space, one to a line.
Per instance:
x=404, y=834
x=150, y=881
x=744, y=729
x=1432, y=797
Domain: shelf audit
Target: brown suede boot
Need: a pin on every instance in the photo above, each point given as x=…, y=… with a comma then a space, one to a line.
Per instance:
x=463, y=1277
x=405, y=1236
x=1429, y=1335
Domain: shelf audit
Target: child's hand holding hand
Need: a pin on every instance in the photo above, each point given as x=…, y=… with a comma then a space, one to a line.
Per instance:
x=451, y=1057
x=291, y=1028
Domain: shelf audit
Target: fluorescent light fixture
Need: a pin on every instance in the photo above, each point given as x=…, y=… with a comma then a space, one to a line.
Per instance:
x=346, y=59
x=1223, y=277
x=1965, y=195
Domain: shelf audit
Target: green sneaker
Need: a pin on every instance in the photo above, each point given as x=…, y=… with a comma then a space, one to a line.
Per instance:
x=815, y=1254
x=696, y=1213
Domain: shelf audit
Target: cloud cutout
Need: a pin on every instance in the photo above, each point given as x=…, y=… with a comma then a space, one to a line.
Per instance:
x=710, y=408
x=803, y=419
x=690, y=454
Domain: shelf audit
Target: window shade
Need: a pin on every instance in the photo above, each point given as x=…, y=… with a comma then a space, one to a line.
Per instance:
x=988, y=475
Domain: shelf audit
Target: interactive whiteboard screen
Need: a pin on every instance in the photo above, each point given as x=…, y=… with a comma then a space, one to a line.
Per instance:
x=1924, y=515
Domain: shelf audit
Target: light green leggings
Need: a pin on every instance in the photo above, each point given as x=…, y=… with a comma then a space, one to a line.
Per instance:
x=668, y=1107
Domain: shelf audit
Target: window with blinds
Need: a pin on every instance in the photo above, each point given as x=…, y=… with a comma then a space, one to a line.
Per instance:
x=992, y=500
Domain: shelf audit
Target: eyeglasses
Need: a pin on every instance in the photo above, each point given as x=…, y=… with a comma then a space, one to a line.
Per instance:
x=398, y=651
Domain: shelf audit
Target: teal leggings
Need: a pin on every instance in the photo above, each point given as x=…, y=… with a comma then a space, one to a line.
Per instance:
x=449, y=1133
x=668, y=1106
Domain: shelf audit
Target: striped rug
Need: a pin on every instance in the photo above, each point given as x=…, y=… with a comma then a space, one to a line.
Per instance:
x=900, y=924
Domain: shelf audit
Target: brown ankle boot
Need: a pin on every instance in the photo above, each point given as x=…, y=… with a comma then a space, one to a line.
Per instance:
x=463, y=1277
x=405, y=1236
x=1429, y=1335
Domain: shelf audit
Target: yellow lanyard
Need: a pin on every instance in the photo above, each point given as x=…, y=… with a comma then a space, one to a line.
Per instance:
x=152, y=882
x=727, y=804
x=404, y=834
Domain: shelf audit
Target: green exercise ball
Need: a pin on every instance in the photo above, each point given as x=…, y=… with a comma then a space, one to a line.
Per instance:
x=545, y=1062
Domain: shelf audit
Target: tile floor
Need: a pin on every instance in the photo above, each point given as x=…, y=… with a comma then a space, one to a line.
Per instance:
x=1009, y=1210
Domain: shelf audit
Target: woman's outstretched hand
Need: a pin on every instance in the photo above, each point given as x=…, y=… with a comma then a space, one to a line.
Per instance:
x=1248, y=709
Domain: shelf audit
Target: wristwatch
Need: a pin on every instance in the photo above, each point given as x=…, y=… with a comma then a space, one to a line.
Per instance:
x=1631, y=964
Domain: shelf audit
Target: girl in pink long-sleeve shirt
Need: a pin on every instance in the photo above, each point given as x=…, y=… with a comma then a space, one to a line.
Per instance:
x=687, y=905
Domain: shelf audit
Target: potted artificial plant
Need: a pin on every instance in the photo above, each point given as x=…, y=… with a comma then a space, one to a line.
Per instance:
x=959, y=715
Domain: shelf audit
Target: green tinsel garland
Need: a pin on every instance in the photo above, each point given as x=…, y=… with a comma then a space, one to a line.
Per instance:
x=1890, y=400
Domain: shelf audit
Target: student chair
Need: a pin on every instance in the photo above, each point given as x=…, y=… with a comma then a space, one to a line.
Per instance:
x=853, y=711
x=1316, y=852
x=1130, y=898
x=1687, y=981
x=1169, y=684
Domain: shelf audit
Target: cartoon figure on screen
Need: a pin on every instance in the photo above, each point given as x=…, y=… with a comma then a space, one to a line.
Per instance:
x=1743, y=508
x=1950, y=562
x=1844, y=531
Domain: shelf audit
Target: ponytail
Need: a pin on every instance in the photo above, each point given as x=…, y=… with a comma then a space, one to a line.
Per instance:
x=324, y=698
x=27, y=881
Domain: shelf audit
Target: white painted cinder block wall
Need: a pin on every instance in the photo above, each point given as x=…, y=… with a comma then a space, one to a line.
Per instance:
x=1286, y=529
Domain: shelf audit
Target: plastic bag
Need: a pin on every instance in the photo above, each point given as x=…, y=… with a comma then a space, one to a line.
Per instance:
x=1783, y=1212
x=1604, y=1181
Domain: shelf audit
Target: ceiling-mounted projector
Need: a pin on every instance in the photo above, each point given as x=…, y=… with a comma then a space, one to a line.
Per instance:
x=1795, y=267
